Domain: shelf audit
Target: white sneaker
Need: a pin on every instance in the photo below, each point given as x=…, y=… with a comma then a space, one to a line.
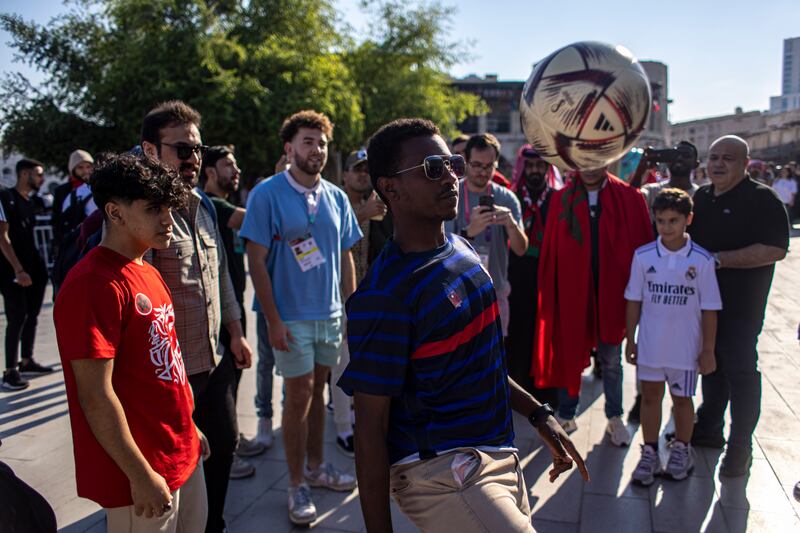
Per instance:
x=648, y=468
x=264, y=434
x=330, y=477
x=249, y=447
x=302, y=510
x=618, y=431
x=681, y=461
x=241, y=469
x=569, y=425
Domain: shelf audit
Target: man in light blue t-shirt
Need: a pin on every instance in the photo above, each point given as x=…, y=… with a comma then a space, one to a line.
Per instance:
x=299, y=230
x=490, y=230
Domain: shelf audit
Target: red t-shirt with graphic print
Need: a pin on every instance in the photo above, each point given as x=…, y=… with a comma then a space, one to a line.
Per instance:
x=112, y=308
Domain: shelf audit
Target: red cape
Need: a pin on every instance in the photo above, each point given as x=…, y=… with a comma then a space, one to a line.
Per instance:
x=570, y=320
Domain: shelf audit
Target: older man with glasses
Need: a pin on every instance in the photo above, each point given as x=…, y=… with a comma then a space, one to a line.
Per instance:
x=489, y=216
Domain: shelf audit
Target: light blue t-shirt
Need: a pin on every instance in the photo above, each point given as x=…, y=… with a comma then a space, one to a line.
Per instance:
x=276, y=215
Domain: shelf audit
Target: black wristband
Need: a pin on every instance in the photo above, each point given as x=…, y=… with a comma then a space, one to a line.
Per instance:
x=540, y=415
x=464, y=234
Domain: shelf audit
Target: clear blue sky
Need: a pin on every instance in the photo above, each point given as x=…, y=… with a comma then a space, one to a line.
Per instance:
x=720, y=53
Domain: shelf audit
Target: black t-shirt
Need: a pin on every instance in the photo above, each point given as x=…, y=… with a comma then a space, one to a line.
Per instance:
x=749, y=213
x=234, y=247
x=20, y=213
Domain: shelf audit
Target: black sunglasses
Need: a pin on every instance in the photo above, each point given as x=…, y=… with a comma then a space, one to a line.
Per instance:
x=435, y=166
x=185, y=151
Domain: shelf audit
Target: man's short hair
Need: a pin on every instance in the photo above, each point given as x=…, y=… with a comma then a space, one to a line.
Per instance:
x=482, y=141
x=211, y=156
x=27, y=164
x=689, y=145
x=459, y=139
x=128, y=178
x=167, y=115
x=307, y=118
x=384, y=145
x=676, y=199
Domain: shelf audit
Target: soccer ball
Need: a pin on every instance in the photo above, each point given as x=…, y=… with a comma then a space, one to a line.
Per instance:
x=585, y=105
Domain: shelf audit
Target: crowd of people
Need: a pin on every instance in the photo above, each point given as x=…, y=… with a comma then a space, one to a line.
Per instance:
x=468, y=295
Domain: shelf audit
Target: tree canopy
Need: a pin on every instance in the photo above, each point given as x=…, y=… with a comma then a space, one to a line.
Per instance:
x=244, y=64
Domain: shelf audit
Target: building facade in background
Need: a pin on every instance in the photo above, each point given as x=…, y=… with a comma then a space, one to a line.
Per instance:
x=789, y=99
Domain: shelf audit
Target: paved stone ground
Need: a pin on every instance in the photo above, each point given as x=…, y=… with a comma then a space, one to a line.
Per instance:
x=34, y=427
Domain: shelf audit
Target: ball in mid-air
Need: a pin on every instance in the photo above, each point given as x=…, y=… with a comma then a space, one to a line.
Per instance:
x=585, y=105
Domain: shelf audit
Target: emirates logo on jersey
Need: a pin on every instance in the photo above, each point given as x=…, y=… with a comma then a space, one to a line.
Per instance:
x=691, y=273
x=165, y=352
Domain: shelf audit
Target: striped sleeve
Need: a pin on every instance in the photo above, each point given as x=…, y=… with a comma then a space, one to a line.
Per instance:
x=378, y=336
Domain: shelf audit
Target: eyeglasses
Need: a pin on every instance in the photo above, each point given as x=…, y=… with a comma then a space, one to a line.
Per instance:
x=185, y=151
x=435, y=166
x=474, y=165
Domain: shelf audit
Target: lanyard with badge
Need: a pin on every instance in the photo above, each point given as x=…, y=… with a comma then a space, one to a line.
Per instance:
x=483, y=251
x=305, y=249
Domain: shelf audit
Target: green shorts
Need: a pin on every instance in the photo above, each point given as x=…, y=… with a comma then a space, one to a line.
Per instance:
x=314, y=342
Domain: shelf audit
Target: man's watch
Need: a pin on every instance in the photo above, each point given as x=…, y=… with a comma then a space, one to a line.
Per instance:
x=717, y=262
x=464, y=234
x=540, y=415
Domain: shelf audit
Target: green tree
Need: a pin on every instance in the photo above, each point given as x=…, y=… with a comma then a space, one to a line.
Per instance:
x=245, y=65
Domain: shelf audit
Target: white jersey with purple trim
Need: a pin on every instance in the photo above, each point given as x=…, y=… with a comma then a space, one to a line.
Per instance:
x=674, y=288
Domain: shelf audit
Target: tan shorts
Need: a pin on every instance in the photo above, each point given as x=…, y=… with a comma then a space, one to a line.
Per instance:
x=188, y=514
x=490, y=499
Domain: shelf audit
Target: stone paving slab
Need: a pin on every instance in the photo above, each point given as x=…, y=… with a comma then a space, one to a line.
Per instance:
x=37, y=444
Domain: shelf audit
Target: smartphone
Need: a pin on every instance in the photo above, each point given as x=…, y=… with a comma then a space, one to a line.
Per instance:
x=487, y=200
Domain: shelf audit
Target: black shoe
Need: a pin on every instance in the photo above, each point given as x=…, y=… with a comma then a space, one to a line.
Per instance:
x=633, y=414
x=13, y=381
x=346, y=446
x=701, y=438
x=33, y=368
x=736, y=461
x=797, y=491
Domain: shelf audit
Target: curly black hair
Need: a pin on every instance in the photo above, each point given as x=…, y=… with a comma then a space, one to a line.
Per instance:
x=384, y=145
x=128, y=178
x=675, y=199
x=308, y=118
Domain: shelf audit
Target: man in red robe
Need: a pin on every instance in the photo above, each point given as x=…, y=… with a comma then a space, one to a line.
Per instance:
x=593, y=227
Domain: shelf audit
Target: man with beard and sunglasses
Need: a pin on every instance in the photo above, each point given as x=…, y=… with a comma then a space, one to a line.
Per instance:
x=23, y=273
x=489, y=217
x=195, y=269
x=427, y=370
x=534, y=182
x=299, y=230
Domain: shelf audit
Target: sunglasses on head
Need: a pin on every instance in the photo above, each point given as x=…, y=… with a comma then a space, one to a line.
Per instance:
x=435, y=166
x=185, y=151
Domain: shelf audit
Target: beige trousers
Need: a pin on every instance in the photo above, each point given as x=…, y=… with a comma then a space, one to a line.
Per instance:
x=492, y=498
x=188, y=514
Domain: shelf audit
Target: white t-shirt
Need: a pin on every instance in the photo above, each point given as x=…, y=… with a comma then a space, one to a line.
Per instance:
x=81, y=192
x=786, y=189
x=674, y=287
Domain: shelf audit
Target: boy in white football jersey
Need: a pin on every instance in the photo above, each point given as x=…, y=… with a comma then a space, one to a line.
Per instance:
x=673, y=297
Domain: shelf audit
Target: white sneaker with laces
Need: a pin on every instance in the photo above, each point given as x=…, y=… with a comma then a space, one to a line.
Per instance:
x=330, y=477
x=249, y=447
x=241, y=469
x=302, y=510
x=264, y=434
x=618, y=431
x=568, y=424
x=648, y=468
x=681, y=461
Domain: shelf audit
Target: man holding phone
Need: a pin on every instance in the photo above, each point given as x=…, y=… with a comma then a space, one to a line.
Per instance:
x=489, y=217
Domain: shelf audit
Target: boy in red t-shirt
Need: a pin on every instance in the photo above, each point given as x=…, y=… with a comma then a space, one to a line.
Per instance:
x=137, y=450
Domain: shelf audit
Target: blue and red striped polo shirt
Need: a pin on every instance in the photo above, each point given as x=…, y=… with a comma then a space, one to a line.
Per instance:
x=424, y=328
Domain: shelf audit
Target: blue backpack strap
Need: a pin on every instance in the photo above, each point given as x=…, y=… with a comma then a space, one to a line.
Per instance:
x=208, y=204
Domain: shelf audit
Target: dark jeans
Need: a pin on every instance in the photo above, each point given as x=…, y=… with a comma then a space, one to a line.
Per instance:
x=610, y=358
x=22, y=306
x=215, y=415
x=736, y=380
x=264, y=369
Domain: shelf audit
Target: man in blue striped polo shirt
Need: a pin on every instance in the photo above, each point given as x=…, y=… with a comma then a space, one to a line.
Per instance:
x=428, y=370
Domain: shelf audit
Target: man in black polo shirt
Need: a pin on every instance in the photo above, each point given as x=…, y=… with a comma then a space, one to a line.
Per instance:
x=744, y=224
x=23, y=273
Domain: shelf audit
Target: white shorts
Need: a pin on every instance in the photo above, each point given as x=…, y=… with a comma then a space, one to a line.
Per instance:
x=681, y=382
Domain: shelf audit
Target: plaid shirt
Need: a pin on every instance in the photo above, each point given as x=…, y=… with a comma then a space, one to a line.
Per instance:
x=195, y=269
